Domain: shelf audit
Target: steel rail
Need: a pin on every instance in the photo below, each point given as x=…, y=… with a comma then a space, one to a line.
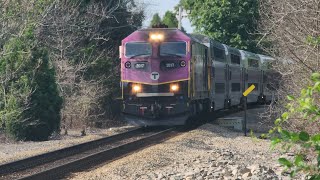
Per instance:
x=41, y=159
x=104, y=156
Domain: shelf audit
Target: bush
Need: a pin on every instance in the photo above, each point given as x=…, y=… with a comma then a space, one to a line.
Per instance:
x=305, y=143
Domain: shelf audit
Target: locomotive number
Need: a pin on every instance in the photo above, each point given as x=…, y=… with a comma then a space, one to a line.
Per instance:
x=140, y=66
x=170, y=65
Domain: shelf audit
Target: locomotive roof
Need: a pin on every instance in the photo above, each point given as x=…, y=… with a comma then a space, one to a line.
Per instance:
x=191, y=36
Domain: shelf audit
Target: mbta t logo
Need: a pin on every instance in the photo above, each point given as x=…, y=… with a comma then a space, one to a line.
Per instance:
x=154, y=76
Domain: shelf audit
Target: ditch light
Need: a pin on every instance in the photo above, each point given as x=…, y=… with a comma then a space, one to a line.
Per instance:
x=174, y=87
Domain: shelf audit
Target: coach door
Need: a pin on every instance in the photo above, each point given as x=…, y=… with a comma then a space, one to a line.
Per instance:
x=235, y=79
x=220, y=77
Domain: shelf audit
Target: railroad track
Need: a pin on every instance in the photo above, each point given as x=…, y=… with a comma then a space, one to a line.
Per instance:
x=58, y=164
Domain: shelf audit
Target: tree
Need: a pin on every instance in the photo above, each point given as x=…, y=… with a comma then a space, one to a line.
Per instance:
x=170, y=20
x=75, y=42
x=293, y=29
x=156, y=20
x=84, y=37
x=233, y=22
x=31, y=102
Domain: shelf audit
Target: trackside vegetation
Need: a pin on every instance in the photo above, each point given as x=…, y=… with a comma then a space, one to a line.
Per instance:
x=59, y=66
x=304, y=144
x=30, y=102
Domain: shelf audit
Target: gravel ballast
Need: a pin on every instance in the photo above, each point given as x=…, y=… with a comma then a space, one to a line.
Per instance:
x=209, y=152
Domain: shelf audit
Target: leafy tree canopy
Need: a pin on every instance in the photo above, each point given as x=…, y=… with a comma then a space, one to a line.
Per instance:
x=170, y=19
x=232, y=22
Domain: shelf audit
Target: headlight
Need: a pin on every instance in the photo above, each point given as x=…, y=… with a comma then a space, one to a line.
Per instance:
x=156, y=37
x=136, y=88
x=174, y=87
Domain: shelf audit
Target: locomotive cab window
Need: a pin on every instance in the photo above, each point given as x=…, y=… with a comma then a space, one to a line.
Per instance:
x=173, y=49
x=134, y=49
x=235, y=59
x=253, y=63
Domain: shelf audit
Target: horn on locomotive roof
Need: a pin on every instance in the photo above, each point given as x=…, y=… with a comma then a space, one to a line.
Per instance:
x=159, y=25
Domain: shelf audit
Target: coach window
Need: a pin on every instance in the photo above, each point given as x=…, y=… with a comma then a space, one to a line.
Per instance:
x=219, y=54
x=235, y=59
x=253, y=63
x=135, y=49
x=173, y=49
x=235, y=87
x=220, y=88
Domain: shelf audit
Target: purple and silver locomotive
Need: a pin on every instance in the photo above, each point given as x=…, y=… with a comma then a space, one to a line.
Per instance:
x=165, y=77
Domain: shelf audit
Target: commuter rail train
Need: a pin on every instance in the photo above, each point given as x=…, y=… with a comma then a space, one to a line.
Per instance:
x=168, y=76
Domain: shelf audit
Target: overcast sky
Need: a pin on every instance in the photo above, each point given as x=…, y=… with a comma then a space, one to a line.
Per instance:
x=161, y=6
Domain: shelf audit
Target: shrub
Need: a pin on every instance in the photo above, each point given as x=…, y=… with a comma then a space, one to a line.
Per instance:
x=305, y=143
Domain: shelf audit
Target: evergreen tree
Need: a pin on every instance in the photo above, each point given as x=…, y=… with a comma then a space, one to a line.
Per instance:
x=31, y=102
x=156, y=20
x=170, y=20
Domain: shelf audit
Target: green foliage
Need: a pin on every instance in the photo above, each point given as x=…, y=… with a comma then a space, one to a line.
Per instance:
x=170, y=20
x=306, y=146
x=313, y=40
x=156, y=19
x=233, y=22
x=31, y=102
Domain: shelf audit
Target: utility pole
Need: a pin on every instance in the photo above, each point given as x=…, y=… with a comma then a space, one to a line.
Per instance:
x=180, y=18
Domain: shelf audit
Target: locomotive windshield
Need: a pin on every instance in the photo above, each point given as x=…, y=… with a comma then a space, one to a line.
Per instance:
x=173, y=49
x=134, y=49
